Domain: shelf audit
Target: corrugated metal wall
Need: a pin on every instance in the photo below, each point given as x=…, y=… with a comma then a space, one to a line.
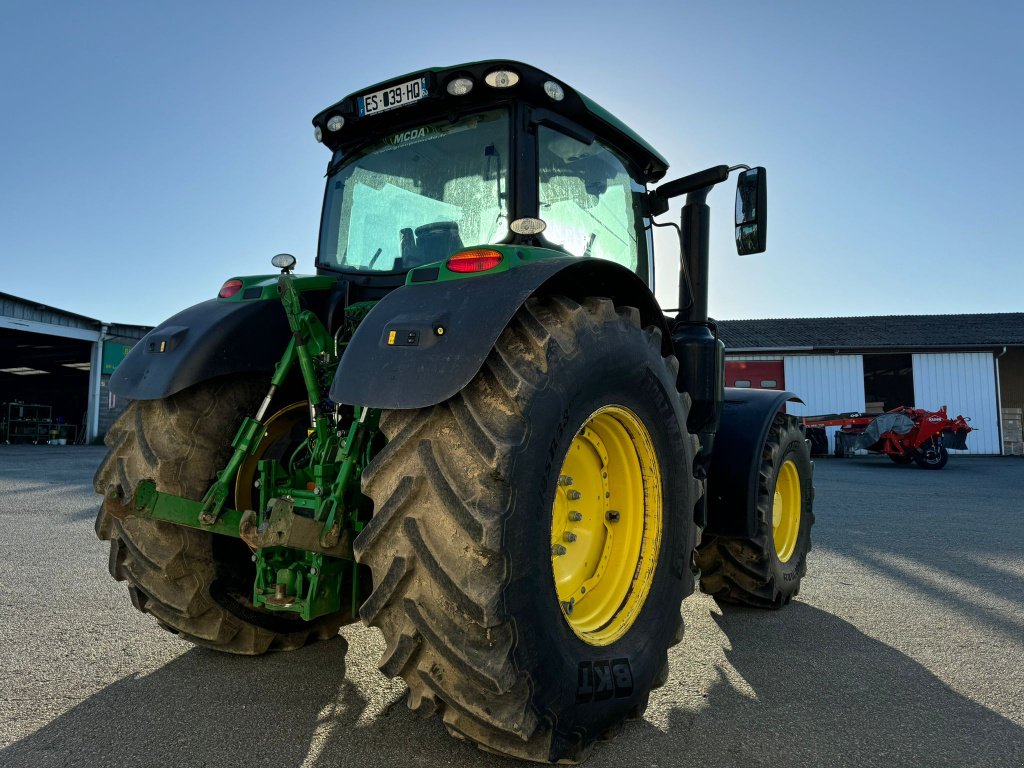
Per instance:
x=966, y=383
x=827, y=384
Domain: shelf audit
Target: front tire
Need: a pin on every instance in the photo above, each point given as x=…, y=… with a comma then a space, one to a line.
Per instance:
x=765, y=570
x=194, y=583
x=932, y=456
x=469, y=497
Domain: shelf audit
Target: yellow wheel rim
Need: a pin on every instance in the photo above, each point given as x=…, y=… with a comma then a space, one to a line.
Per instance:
x=606, y=525
x=786, y=511
x=278, y=426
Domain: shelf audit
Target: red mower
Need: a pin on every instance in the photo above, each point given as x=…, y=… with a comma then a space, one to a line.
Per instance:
x=903, y=434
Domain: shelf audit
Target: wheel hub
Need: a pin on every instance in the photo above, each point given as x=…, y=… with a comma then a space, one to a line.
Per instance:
x=606, y=525
x=786, y=505
x=279, y=426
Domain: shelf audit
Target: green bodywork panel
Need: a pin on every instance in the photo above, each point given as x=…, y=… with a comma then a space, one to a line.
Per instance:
x=268, y=286
x=514, y=256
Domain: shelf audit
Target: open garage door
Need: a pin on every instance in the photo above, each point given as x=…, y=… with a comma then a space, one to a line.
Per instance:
x=44, y=387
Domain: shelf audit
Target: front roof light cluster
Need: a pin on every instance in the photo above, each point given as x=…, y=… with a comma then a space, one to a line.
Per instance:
x=501, y=78
x=554, y=90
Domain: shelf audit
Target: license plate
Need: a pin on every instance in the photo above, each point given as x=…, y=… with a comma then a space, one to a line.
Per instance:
x=391, y=98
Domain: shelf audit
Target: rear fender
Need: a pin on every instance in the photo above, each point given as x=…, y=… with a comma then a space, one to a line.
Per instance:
x=424, y=342
x=747, y=415
x=211, y=339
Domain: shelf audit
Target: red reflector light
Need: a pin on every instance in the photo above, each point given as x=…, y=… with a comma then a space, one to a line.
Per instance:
x=475, y=260
x=230, y=288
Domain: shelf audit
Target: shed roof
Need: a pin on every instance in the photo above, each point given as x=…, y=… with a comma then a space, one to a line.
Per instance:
x=20, y=308
x=875, y=332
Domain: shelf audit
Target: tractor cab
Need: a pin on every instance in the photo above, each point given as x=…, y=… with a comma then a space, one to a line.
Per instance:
x=489, y=153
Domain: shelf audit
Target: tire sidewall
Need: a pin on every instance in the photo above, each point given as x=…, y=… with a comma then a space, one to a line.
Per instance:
x=586, y=689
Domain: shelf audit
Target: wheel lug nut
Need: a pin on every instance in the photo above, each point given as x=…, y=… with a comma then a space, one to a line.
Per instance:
x=567, y=607
x=558, y=550
x=573, y=495
x=612, y=516
x=575, y=516
x=569, y=537
x=564, y=480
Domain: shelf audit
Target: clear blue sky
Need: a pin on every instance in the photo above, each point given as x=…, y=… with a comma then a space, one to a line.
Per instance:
x=152, y=149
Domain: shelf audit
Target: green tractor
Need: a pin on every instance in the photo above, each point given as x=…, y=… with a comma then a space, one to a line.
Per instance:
x=473, y=428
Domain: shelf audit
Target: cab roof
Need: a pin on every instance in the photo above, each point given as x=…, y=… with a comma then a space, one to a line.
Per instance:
x=530, y=88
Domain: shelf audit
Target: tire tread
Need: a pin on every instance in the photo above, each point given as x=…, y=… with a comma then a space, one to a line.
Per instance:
x=179, y=443
x=443, y=618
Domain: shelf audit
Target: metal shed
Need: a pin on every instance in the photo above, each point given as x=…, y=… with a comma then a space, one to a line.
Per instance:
x=973, y=364
x=54, y=365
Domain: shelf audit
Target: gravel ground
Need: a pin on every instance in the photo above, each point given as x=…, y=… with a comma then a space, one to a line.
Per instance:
x=905, y=648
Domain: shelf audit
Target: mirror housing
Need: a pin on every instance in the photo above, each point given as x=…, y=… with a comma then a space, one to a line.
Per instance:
x=752, y=212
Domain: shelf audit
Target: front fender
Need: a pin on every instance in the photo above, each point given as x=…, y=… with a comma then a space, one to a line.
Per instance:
x=422, y=343
x=747, y=415
x=210, y=339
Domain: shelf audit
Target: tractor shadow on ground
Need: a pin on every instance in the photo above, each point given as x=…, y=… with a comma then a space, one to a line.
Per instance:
x=821, y=693
x=209, y=709
x=947, y=535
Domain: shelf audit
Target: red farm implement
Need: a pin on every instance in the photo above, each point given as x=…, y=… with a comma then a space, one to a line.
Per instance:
x=903, y=434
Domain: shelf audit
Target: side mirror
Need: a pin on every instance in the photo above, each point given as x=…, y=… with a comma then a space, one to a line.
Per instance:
x=752, y=212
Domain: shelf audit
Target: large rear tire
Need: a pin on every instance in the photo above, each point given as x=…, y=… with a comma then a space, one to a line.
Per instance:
x=472, y=503
x=195, y=584
x=765, y=570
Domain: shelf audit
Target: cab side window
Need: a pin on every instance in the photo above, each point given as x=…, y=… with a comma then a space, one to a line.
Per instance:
x=589, y=201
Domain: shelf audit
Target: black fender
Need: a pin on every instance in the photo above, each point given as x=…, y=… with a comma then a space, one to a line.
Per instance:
x=444, y=331
x=210, y=339
x=747, y=416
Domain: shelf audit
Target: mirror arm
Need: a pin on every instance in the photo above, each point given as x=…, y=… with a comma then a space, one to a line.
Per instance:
x=687, y=184
x=696, y=216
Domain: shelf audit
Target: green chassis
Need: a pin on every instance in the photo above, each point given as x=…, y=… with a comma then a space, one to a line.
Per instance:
x=309, y=515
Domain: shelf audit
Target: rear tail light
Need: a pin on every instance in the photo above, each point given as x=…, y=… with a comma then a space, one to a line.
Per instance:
x=230, y=288
x=475, y=260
